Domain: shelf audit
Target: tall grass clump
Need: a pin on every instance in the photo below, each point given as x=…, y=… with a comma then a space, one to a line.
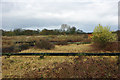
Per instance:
x=102, y=36
x=44, y=44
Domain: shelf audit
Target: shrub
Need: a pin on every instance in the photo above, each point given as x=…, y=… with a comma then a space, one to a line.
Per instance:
x=62, y=43
x=8, y=49
x=111, y=46
x=16, y=49
x=102, y=35
x=24, y=46
x=44, y=44
x=8, y=46
x=20, y=47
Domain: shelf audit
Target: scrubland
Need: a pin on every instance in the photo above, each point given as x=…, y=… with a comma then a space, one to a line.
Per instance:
x=60, y=67
x=52, y=43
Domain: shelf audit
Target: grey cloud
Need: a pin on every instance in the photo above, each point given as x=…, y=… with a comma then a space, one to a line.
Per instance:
x=10, y=23
x=85, y=14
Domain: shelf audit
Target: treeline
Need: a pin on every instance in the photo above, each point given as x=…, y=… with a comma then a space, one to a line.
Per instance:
x=18, y=32
x=63, y=30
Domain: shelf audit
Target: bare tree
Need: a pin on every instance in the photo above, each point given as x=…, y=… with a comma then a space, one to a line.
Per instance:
x=65, y=27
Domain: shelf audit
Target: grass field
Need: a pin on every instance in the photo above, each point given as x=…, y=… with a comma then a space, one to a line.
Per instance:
x=59, y=66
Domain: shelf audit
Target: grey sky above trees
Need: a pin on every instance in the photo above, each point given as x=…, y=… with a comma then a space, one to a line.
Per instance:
x=51, y=14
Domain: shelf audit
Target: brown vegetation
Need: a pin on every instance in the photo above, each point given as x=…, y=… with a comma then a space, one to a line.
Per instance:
x=60, y=67
x=61, y=42
x=44, y=44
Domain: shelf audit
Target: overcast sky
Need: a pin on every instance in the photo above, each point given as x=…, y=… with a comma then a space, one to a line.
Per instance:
x=51, y=14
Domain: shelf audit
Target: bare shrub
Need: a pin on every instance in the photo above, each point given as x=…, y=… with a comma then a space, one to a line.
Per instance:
x=44, y=44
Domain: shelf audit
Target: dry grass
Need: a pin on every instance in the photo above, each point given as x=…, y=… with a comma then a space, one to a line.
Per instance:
x=60, y=66
x=62, y=49
x=17, y=65
x=71, y=48
x=49, y=37
x=9, y=41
